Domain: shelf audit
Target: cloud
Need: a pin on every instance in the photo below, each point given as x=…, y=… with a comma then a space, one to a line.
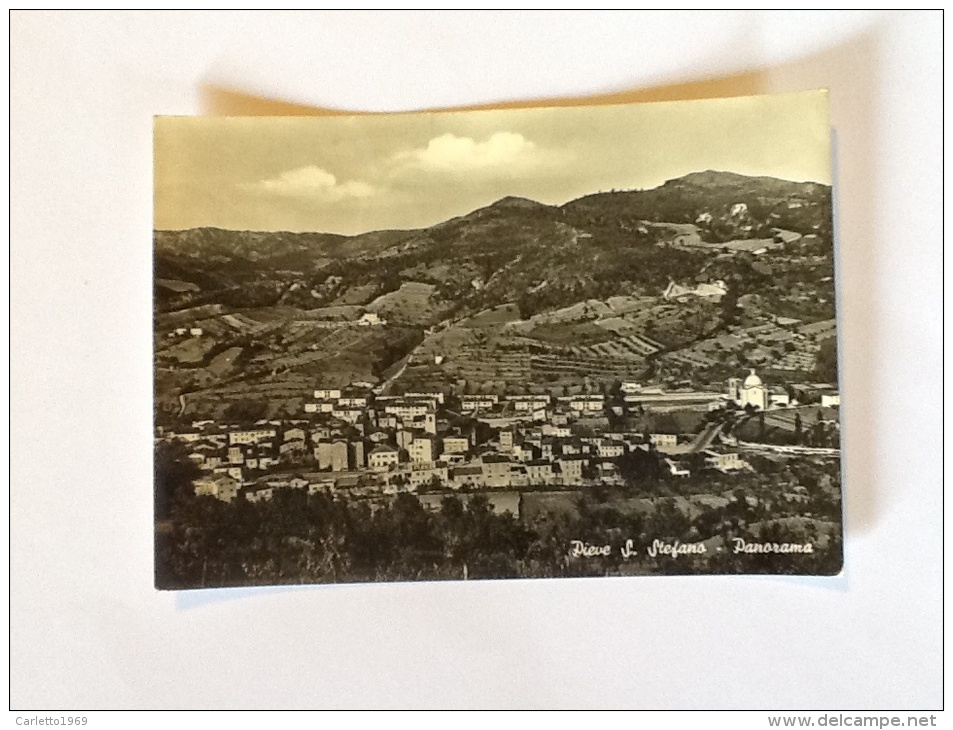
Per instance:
x=449, y=152
x=311, y=182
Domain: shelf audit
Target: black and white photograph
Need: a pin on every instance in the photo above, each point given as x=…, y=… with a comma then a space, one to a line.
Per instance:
x=591, y=341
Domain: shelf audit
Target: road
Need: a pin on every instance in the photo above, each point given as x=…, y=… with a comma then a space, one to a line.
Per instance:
x=704, y=439
x=814, y=450
x=382, y=388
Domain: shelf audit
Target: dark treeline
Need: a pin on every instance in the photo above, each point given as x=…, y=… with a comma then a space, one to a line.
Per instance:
x=321, y=538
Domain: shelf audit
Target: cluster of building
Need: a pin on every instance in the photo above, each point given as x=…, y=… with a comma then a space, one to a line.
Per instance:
x=356, y=441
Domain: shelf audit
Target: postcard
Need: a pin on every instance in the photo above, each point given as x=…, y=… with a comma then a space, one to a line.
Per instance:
x=525, y=343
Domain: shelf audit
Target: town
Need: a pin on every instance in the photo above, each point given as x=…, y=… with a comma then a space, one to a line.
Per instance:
x=357, y=442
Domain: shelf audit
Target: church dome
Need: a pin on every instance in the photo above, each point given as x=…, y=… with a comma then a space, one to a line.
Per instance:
x=752, y=381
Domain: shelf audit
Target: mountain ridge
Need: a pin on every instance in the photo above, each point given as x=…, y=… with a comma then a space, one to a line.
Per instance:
x=703, y=178
x=512, y=250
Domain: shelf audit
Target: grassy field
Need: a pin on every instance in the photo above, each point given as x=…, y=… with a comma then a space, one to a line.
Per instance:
x=410, y=303
x=542, y=506
x=496, y=316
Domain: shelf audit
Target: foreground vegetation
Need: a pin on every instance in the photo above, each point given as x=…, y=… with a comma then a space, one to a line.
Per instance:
x=321, y=538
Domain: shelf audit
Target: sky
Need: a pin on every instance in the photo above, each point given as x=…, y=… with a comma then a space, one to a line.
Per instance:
x=351, y=174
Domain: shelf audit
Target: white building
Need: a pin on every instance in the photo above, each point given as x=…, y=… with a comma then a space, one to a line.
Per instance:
x=571, y=468
x=587, y=403
x=496, y=470
x=725, y=462
x=294, y=434
x=528, y=402
x=331, y=394
x=382, y=458
x=426, y=422
x=323, y=407
x=523, y=452
x=290, y=447
x=473, y=402
x=332, y=455
x=663, y=441
x=750, y=392
x=539, y=471
x=407, y=409
x=462, y=476
x=426, y=475
x=221, y=487
x=252, y=436
x=676, y=470
x=435, y=397
x=351, y=415
x=456, y=445
x=259, y=492
x=421, y=450
x=611, y=449
x=370, y=319
x=386, y=421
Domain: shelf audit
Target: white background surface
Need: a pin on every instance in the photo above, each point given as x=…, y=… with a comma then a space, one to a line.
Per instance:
x=87, y=629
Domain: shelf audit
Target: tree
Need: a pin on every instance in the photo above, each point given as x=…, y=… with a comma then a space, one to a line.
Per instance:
x=825, y=368
x=246, y=411
x=730, y=311
x=174, y=474
x=639, y=467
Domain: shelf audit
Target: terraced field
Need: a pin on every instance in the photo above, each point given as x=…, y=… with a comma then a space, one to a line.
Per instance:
x=820, y=330
x=186, y=317
x=243, y=323
x=632, y=347
x=577, y=368
x=803, y=360
x=558, y=366
x=690, y=357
